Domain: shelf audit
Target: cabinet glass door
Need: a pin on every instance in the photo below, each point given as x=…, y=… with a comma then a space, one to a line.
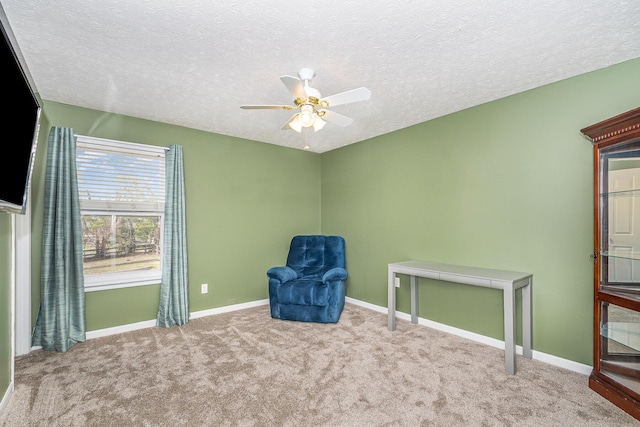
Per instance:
x=620, y=345
x=619, y=291
x=620, y=218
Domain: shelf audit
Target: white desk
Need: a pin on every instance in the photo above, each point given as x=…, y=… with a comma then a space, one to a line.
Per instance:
x=506, y=281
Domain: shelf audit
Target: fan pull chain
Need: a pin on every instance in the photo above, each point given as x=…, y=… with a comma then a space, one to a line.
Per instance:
x=306, y=139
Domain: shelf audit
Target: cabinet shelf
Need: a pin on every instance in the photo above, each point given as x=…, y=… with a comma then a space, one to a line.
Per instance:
x=633, y=192
x=634, y=255
x=625, y=334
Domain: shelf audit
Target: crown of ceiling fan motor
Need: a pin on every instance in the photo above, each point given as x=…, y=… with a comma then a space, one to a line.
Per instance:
x=313, y=95
x=306, y=74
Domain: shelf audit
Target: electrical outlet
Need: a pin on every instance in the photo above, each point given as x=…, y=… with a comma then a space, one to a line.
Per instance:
x=397, y=282
x=204, y=288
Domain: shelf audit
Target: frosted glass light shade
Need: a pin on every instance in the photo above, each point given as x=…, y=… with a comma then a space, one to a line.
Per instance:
x=295, y=123
x=318, y=124
x=306, y=116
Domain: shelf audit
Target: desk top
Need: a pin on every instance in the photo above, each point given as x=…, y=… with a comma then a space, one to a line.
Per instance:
x=448, y=272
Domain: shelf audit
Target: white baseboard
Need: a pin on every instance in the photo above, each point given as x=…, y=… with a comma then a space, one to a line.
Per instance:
x=229, y=308
x=120, y=329
x=537, y=355
x=580, y=368
x=151, y=323
x=6, y=398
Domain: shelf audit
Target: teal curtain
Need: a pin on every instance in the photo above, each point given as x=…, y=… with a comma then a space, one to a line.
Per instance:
x=174, y=296
x=60, y=322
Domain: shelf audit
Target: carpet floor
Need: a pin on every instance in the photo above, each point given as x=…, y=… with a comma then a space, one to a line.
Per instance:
x=246, y=369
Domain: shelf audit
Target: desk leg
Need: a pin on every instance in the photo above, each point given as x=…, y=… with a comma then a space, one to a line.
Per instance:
x=509, y=296
x=414, y=299
x=526, y=321
x=391, y=301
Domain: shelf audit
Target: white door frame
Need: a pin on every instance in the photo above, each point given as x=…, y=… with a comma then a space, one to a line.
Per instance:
x=22, y=281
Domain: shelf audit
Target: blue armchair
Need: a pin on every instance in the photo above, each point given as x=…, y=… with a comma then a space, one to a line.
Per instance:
x=311, y=287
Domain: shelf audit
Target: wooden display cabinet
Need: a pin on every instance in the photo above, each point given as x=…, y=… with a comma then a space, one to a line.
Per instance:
x=616, y=305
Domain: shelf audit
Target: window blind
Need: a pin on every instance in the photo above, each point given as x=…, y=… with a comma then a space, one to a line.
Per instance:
x=120, y=176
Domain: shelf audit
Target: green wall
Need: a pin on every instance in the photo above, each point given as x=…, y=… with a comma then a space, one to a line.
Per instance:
x=505, y=185
x=244, y=201
x=5, y=303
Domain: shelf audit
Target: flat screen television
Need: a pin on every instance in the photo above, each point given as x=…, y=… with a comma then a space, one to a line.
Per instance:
x=20, y=120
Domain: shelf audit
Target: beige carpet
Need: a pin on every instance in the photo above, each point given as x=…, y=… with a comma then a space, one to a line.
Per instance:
x=247, y=369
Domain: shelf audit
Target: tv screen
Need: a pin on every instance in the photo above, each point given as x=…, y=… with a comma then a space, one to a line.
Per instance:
x=20, y=121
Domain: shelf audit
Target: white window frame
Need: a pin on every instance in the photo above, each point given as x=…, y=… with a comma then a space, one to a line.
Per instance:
x=105, y=281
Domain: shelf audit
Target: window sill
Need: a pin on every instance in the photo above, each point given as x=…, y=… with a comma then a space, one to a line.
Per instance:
x=117, y=281
x=119, y=286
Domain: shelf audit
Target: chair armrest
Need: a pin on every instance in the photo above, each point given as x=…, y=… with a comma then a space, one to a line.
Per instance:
x=337, y=273
x=283, y=274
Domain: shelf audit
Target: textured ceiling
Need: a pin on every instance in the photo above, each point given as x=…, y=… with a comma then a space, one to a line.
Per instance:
x=194, y=62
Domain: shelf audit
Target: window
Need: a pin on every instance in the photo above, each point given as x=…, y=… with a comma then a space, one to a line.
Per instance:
x=121, y=187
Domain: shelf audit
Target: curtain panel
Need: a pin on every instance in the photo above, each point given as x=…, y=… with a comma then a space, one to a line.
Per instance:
x=60, y=322
x=174, y=297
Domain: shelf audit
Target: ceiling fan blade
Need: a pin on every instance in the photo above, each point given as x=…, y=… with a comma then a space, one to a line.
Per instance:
x=335, y=118
x=295, y=86
x=353, y=95
x=286, y=125
x=267, y=107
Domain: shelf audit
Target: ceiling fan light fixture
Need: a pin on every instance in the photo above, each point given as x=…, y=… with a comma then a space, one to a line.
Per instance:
x=312, y=106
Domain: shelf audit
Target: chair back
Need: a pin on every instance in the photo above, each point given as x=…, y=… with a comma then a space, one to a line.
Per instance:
x=312, y=256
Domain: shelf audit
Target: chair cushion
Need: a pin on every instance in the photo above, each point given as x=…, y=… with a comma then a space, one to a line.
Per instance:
x=312, y=256
x=303, y=292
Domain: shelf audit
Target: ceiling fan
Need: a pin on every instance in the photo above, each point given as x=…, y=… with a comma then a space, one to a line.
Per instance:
x=313, y=107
